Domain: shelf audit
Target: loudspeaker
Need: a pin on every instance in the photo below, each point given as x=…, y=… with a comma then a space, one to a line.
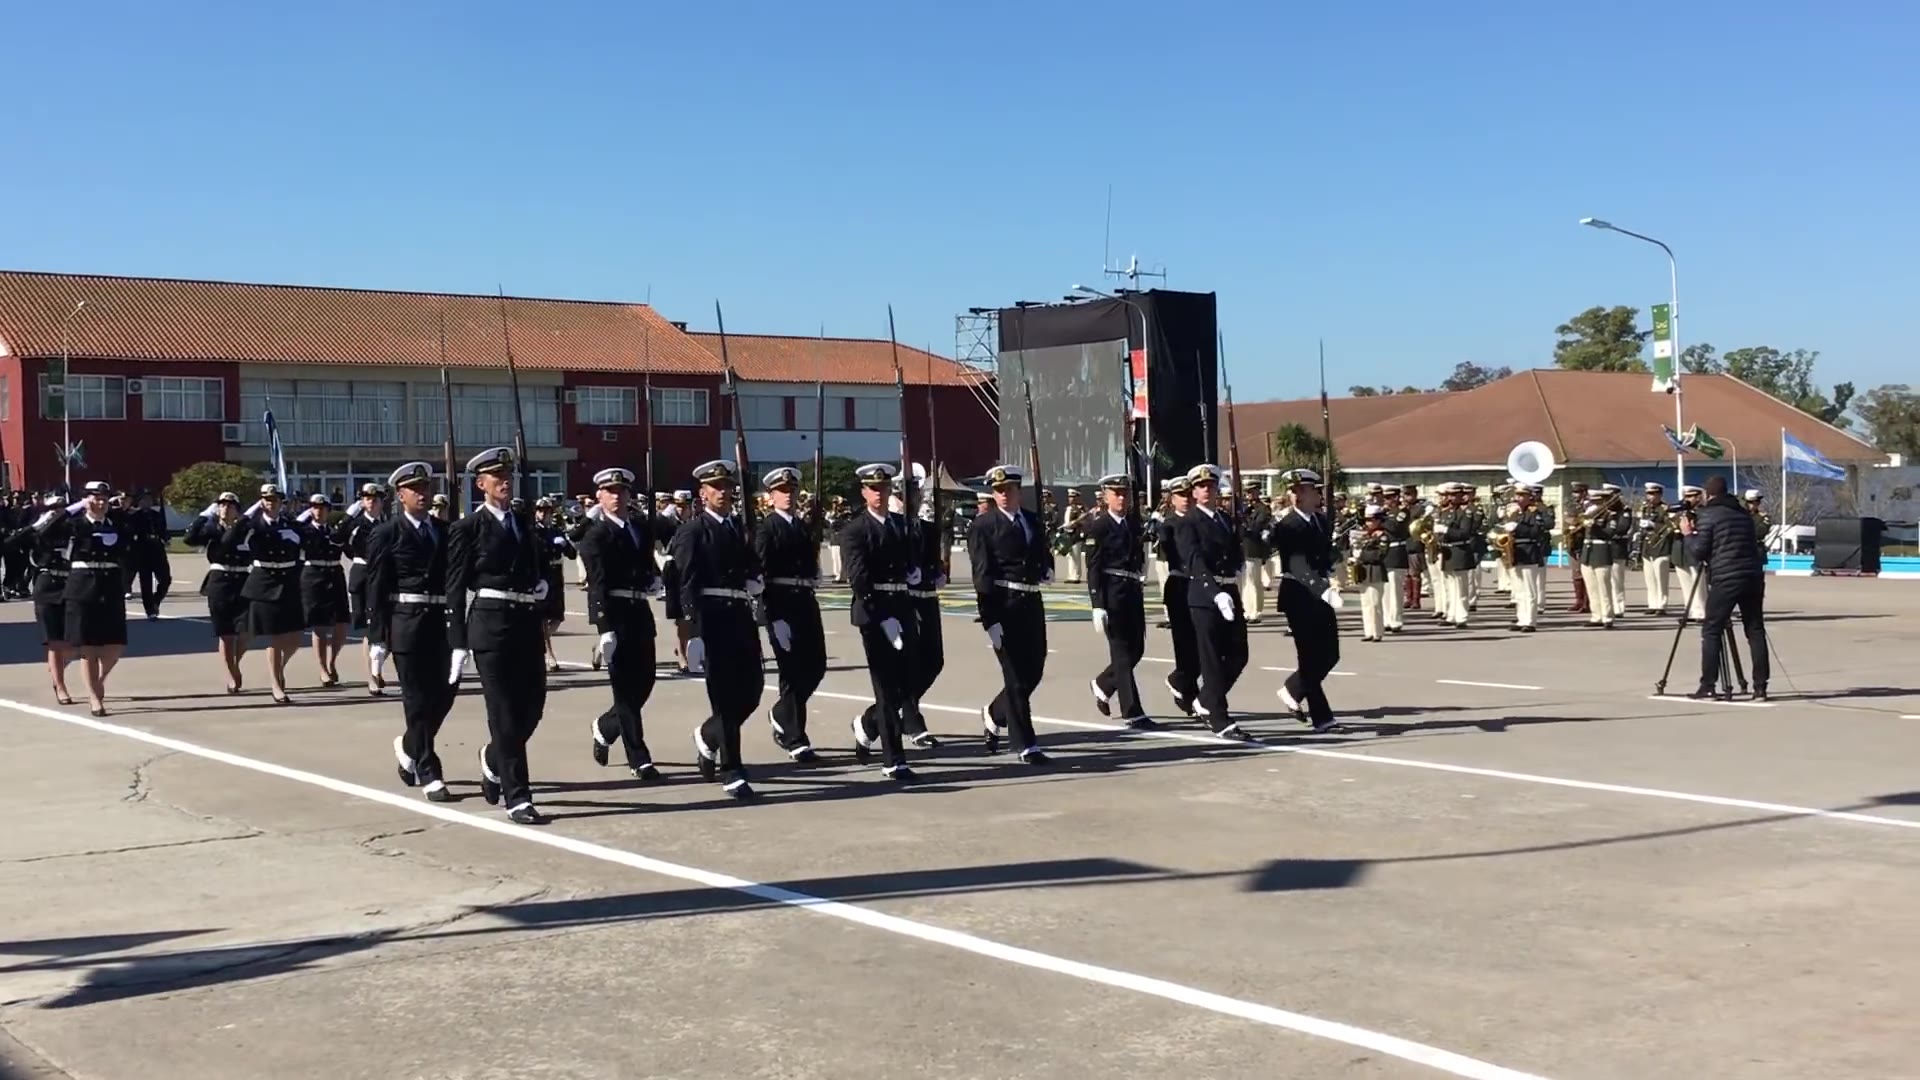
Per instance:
x=1847, y=545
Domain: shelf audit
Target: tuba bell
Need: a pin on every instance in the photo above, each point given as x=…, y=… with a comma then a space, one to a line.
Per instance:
x=1531, y=463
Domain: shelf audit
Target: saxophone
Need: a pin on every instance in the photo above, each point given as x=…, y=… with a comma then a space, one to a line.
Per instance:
x=1421, y=531
x=1502, y=538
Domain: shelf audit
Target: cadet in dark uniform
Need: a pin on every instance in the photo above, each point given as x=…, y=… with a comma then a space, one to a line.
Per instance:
x=930, y=543
x=227, y=569
x=1210, y=545
x=1116, y=565
x=272, y=588
x=352, y=535
x=790, y=557
x=406, y=608
x=494, y=562
x=1182, y=680
x=99, y=548
x=47, y=556
x=323, y=587
x=878, y=557
x=555, y=549
x=1008, y=548
x=1303, y=539
x=719, y=575
x=150, y=536
x=616, y=547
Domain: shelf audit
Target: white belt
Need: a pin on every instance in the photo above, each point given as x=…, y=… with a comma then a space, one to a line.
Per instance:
x=794, y=582
x=1128, y=574
x=728, y=594
x=1019, y=586
x=924, y=594
x=93, y=566
x=275, y=565
x=359, y=561
x=627, y=594
x=889, y=586
x=511, y=597
x=420, y=598
x=223, y=568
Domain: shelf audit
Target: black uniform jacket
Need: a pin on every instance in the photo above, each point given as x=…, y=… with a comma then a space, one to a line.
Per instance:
x=791, y=561
x=711, y=553
x=412, y=559
x=1116, y=557
x=1000, y=551
x=483, y=553
x=1210, y=545
x=620, y=570
x=877, y=556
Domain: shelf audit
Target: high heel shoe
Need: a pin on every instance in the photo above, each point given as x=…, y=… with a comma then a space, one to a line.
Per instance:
x=62, y=696
x=98, y=710
x=281, y=699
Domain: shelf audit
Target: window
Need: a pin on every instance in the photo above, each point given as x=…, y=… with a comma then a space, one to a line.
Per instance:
x=337, y=412
x=170, y=397
x=6, y=399
x=759, y=412
x=88, y=397
x=483, y=415
x=803, y=410
x=876, y=414
x=607, y=406
x=677, y=406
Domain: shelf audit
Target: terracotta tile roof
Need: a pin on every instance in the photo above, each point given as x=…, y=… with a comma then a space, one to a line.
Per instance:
x=1256, y=419
x=168, y=319
x=798, y=359
x=1588, y=418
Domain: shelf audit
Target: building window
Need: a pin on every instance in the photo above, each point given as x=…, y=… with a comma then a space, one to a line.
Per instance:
x=483, y=415
x=169, y=397
x=805, y=407
x=6, y=399
x=679, y=406
x=88, y=397
x=876, y=414
x=337, y=412
x=759, y=412
x=607, y=406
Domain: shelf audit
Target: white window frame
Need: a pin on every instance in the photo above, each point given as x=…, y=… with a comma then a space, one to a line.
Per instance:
x=80, y=386
x=607, y=406
x=6, y=398
x=876, y=414
x=763, y=412
x=157, y=390
x=680, y=406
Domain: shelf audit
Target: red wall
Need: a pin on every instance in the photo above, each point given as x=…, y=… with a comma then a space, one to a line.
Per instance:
x=12, y=443
x=676, y=450
x=126, y=453
x=969, y=438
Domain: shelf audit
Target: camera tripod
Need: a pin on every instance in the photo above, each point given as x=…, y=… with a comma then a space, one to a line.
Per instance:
x=1731, y=670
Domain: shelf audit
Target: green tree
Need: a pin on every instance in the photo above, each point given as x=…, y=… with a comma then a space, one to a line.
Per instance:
x=1383, y=390
x=1468, y=375
x=1295, y=446
x=195, y=486
x=1785, y=375
x=1601, y=339
x=1892, y=414
x=1699, y=360
x=836, y=476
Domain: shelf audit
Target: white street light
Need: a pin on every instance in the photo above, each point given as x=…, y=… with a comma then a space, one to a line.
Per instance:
x=1673, y=336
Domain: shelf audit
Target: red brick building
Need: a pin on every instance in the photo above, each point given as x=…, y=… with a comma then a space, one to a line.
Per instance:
x=165, y=373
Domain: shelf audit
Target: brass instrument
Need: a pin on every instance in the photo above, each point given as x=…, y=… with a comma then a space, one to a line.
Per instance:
x=1502, y=538
x=1421, y=531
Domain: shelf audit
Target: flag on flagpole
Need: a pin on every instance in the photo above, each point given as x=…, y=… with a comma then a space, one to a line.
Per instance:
x=1699, y=441
x=1674, y=439
x=1665, y=380
x=1798, y=457
x=276, y=453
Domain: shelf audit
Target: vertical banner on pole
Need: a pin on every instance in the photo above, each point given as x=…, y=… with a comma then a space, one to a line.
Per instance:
x=1663, y=358
x=1139, y=363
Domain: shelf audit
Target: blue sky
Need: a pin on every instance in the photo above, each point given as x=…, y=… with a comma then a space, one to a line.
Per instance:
x=1399, y=179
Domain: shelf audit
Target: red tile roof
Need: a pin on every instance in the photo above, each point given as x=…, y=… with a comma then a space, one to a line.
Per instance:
x=1588, y=418
x=797, y=359
x=1256, y=419
x=168, y=319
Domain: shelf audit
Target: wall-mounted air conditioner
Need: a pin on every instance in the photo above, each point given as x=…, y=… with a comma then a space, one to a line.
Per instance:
x=229, y=433
x=571, y=397
x=609, y=435
x=136, y=387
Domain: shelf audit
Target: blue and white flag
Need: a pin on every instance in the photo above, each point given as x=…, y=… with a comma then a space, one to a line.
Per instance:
x=1678, y=442
x=275, y=452
x=1798, y=457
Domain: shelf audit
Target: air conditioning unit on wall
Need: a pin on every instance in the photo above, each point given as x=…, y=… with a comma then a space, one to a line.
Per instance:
x=229, y=433
x=609, y=435
x=570, y=397
x=136, y=387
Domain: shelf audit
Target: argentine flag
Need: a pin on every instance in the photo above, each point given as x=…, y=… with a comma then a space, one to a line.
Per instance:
x=1798, y=457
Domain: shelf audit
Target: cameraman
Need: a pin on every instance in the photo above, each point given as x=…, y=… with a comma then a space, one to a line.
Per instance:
x=1720, y=536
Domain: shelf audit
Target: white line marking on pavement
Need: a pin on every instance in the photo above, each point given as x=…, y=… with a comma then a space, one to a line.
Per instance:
x=1911, y=717
x=1489, y=685
x=1710, y=701
x=1436, y=766
x=1418, y=1053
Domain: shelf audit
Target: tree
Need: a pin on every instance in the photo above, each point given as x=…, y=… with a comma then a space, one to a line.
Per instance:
x=1468, y=375
x=1295, y=446
x=1784, y=375
x=1892, y=414
x=1383, y=390
x=1803, y=500
x=1601, y=339
x=195, y=487
x=1699, y=360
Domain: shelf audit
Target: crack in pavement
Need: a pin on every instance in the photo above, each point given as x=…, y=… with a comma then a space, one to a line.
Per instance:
x=249, y=835
x=141, y=786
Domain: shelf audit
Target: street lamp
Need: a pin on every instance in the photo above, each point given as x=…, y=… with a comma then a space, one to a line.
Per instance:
x=1146, y=351
x=1673, y=317
x=66, y=407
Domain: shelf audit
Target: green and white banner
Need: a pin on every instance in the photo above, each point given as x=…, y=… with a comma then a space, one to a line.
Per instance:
x=1663, y=358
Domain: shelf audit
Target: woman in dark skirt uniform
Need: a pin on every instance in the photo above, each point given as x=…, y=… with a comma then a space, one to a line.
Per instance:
x=555, y=549
x=227, y=569
x=98, y=544
x=323, y=587
x=353, y=534
x=272, y=588
x=49, y=587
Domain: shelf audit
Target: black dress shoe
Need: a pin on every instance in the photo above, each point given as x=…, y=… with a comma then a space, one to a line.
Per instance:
x=1143, y=723
x=438, y=793
x=900, y=774
x=526, y=815
x=1035, y=757
x=1704, y=693
x=646, y=774
x=489, y=789
x=862, y=752
x=1100, y=703
x=924, y=740
x=406, y=778
x=709, y=768
x=987, y=729
x=1234, y=734
x=738, y=788
x=1760, y=693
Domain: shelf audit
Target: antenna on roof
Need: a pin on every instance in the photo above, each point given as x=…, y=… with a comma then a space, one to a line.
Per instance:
x=1132, y=273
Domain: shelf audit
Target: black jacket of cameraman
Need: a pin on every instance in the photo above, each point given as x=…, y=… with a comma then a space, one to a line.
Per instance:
x=1724, y=539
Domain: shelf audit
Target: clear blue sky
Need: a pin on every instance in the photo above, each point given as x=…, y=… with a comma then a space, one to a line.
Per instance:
x=1402, y=179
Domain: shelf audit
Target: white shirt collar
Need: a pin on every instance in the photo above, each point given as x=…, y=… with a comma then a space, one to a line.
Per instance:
x=879, y=516
x=416, y=522
x=1012, y=515
x=714, y=516
x=618, y=521
x=1117, y=519
x=499, y=514
x=784, y=515
x=1205, y=510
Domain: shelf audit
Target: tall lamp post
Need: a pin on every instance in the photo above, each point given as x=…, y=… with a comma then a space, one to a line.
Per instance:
x=66, y=409
x=1673, y=314
x=1146, y=355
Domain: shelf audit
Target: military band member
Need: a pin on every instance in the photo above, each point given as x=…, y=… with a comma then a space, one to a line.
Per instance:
x=150, y=538
x=1116, y=565
x=404, y=599
x=1210, y=545
x=1183, y=680
x=1459, y=554
x=930, y=548
x=1762, y=524
x=881, y=566
x=272, y=588
x=1418, y=571
x=1604, y=520
x=1304, y=538
x=1686, y=571
x=1072, y=542
x=1576, y=507
x=1622, y=544
x=1652, y=539
x=1007, y=546
x=1531, y=527
x=1480, y=519
x=1367, y=566
x=495, y=563
x=47, y=559
x=353, y=534
x=1399, y=526
x=790, y=558
x=719, y=577
x=616, y=547
x=1255, y=578
x=838, y=514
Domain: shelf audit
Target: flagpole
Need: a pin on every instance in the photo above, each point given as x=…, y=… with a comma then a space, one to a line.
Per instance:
x=1784, y=523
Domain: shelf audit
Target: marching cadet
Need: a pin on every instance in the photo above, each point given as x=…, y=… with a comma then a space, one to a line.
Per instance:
x=790, y=557
x=323, y=587
x=1531, y=527
x=1686, y=571
x=1368, y=567
x=1399, y=525
x=1182, y=681
x=226, y=572
x=930, y=546
x=150, y=538
x=404, y=599
x=98, y=543
x=352, y=535
x=1255, y=578
x=1116, y=561
x=272, y=588
x=1575, y=541
x=1305, y=541
x=1071, y=540
x=1413, y=507
x=617, y=548
x=1454, y=526
x=555, y=549
x=1210, y=545
x=494, y=561
x=1602, y=520
x=47, y=554
x=1007, y=546
x=1621, y=541
x=881, y=567
x=719, y=577
x=1652, y=533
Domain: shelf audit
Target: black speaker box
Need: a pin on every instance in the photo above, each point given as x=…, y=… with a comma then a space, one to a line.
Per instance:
x=1847, y=545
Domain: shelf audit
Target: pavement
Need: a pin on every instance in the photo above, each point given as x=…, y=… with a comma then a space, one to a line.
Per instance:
x=1512, y=862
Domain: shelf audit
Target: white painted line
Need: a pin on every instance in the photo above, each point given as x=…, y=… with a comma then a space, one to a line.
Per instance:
x=1911, y=717
x=1157, y=659
x=1710, y=701
x=1489, y=685
x=1435, y=766
x=1418, y=1053
x=1286, y=669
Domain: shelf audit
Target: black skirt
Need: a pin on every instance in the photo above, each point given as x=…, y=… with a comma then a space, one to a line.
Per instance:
x=323, y=595
x=554, y=608
x=97, y=622
x=272, y=618
x=357, y=593
x=51, y=614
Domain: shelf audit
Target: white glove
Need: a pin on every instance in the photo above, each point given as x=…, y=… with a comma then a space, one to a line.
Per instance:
x=913, y=576
x=782, y=635
x=595, y=513
x=76, y=507
x=1225, y=604
x=359, y=510
x=1332, y=597
x=1100, y=620
x=456, y=666
x=755, y=586
x=254, y=509
x=305, y=515
x=540, y=589
x=378, y=655
x=994, y=635
x=657, y=590
x=212, y=509
x=696, y=655
x=891, y=627
x=939, y=580
x=607, y=641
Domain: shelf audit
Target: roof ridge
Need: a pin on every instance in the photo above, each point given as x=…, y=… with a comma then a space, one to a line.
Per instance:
x=1559, y=444
x=1737, y=381
x=320, y=288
